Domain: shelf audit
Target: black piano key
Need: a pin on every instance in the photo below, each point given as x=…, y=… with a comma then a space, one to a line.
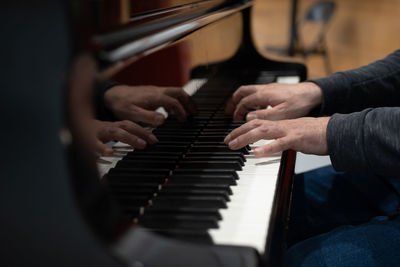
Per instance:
x=176, y=138
x=229, y=172
x=209, y=143
x=120, y=173
x=117, y=181
x=175, y=142
x=211, y=138
x=132, y=163
x=193, y=164
x=178, y=221
x=116, y=185
x=193, y=192
x=167, y=148
x=213, y=133
x=217, y=154
x=134, y=190
x=156, y=153
x=219, y=127
x=138, y=181
x=225, y=148
x=190, y=201
x=179, y=126
x=207, y=101
x=203, y=109
x=191, y=186
x=192, y=157
x=154, y=209
x=217, y=144
x=182, y=132
x=116, y=178
x=224, y=124
x=203, y=116
x=220, y=116
x=165, y=157
x=139, y=171
x=144, y=185
x=189, y=235
x=202, y=178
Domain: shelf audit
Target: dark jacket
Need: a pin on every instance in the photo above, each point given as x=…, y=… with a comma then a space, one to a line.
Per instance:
x=364, y=134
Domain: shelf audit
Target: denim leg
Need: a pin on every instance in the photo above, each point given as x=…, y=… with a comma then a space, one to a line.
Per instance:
x=324, y=199
x=343, y=219
x=376, y=243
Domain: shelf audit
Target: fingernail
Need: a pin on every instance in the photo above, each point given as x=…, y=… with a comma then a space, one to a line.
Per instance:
x=153, y=139
x=159, y=119
x=108, y=151
x=141, y=142
x=251, y=116
x=259, y=151
x=233, y=144
x=227, y=138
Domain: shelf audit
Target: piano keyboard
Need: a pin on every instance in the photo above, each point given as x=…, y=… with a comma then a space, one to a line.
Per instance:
x=190, y=185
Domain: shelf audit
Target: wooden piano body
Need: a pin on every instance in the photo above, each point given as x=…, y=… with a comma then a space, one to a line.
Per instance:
x=178, y=43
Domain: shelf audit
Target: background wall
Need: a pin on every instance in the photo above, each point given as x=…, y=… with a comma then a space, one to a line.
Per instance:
x=361, y=31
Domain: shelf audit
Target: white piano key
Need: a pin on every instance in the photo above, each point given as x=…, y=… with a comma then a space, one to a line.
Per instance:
x=288, y=79
x=245, y=222
x=193, y=85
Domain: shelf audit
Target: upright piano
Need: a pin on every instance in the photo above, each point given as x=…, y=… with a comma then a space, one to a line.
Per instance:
x=190, y=186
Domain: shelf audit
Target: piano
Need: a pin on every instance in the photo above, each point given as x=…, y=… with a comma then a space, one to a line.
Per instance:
x=190, y=186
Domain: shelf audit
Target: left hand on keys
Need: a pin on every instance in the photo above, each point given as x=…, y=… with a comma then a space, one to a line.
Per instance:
x=137, y=103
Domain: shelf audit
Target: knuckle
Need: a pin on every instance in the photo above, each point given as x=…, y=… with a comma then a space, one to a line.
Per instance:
x=133, y=108
x=126, y=123
x=264, y=128
x=133, y=139
x=114, y=131
x=256, y=123
x=246, y=101
x=280, y=144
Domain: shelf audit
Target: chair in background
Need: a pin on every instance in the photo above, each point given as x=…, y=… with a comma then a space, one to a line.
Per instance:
x=319, y=14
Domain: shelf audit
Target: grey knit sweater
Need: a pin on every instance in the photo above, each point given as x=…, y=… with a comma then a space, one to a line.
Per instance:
x=364, y=132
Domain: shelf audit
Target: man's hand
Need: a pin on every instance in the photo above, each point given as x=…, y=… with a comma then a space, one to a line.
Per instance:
x=137, y=103
x=307, y=135
x=287, y=101
x=125, y=131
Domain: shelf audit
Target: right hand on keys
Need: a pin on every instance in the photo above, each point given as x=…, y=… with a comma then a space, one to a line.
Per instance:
x=287, y=101
x=307, y=135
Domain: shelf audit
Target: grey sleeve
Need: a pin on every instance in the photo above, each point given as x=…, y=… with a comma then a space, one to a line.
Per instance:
x=368, y=140
x=374, y=85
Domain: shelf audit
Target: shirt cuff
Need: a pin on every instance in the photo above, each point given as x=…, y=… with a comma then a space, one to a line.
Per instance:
x=102, y=112
x=334, y=89
x=345, y=141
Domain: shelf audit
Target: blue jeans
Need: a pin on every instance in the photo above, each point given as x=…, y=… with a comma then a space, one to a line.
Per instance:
x=344, y=219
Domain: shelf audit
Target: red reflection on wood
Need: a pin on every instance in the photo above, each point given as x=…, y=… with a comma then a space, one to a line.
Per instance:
x=167, y=67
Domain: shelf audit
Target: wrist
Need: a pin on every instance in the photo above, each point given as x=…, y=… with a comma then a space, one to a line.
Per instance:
x=313, y=94
x=109, y=96
x=323, y=122
x=103, y=111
